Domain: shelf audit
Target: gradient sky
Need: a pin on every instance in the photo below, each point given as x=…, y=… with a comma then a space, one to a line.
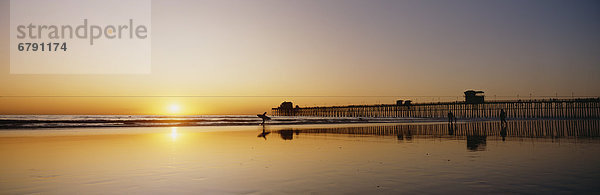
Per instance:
x=291, y=49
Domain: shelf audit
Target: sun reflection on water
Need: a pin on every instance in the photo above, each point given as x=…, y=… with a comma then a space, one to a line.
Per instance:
x=174, y=133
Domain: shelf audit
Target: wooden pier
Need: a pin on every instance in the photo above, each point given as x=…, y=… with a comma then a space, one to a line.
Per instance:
x=516, y=109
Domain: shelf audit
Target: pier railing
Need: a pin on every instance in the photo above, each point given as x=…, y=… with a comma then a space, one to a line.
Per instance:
x=545, y=108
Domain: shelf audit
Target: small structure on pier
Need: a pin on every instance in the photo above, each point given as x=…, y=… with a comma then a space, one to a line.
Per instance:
x=403, y=103
x=287, y=108
x=473, y=97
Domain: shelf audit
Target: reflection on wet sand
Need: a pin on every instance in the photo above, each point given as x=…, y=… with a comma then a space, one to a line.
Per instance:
x=476, y=133
x=305, y=159
x=476, y=142
x=264, y=133
x=288, y=134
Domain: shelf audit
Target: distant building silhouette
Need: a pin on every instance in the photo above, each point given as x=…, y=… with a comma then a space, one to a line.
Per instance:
x=287, y=109
x=286, y=105
x=403, y=102
x=472, y=97
x=399, y=102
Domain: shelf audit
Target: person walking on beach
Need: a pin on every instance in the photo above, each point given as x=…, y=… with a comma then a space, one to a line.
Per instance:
x=450, y=117
x=264, y=118
x=502, y=116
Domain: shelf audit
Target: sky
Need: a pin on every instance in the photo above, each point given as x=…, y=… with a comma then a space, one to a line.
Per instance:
x=245, y=57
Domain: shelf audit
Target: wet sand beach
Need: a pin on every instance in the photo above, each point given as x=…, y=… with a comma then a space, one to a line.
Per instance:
x=477, y=157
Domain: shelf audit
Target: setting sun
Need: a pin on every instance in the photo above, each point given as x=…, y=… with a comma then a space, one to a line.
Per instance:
x=174, y=109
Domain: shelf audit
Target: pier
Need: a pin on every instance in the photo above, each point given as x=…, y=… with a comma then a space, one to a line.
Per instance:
x=583, y=108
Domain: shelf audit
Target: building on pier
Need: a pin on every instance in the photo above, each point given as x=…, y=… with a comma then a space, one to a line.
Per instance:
x=403, y=102
x=474, y=97
x=287, y=108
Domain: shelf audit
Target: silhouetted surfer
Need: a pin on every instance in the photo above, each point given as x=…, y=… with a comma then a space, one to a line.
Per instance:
x=264, y=117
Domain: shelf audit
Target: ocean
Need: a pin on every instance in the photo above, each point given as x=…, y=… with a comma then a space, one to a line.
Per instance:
x=69, y=121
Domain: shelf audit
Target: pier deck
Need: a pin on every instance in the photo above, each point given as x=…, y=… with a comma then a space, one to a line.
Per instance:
x=544, y=108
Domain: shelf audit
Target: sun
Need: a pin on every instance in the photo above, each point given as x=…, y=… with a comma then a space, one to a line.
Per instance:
x=174, y=109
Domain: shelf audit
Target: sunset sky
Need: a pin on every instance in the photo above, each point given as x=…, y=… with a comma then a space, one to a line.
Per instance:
x=244, y=57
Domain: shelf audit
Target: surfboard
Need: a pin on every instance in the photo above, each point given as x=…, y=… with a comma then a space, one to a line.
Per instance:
x=264, y=116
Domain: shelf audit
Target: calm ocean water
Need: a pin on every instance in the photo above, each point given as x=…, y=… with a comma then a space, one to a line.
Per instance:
x=531, y=157
x=67, y=121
